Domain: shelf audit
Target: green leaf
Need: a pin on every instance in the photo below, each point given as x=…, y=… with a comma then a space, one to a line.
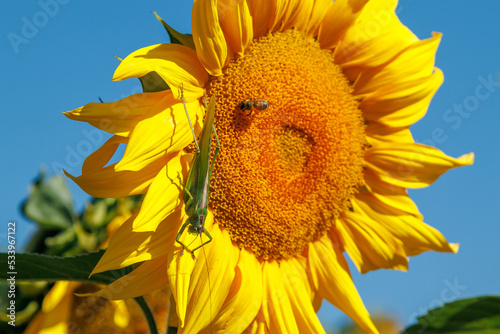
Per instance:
x=60, y=242
x=152, y=83
x=38, y=267
x=49, y=204
x=177, y=37
x=479, y=315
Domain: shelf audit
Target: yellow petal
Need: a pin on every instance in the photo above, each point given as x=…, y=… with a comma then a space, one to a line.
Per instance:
x=236, y=22
x=180, y=267
x=261, y=12
x=211, y=280
x=35, y=324
x=208, y=36
x=296, y=286
x=339, y=17
x=121, y=316
x=179, y=271
x=102, y=155
x=414, y=63
x=411, y=165
x=389, y=195
x=56, y=310
x=165, y=130
x=162, y=198
x=377, y=37
x=127, y=247
x=319, y=10
x=149, y=276
x=118, y=117
x=106, y=182
x=59, y=295
x=403, y=104
x=290, y=13
x=400, y=217
x=245, y=296
x=377, y=133
x=329, y=274
x=276, y=305
x=369, y=244
x=258, y=325
x=176, y=64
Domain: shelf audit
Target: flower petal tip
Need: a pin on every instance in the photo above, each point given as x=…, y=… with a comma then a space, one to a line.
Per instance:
x=454, y=247
x=466, y=159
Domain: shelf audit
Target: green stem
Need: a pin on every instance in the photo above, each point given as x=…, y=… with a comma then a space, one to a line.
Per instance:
x=147, y=313
x=172, y=330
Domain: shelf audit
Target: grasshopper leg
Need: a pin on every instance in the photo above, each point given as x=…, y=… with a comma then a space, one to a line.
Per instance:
x=184, y=187
x=203, y=244
x=179, y=236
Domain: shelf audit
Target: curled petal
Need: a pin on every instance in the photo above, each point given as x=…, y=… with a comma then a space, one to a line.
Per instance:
x=145, y=278
x=236, y=22
x=176, y=64
x=211, y=45
x=162, y=198
x=127, y=247
x=102, y=155
x=108, y=182
x=165, y=130
x=411, y=165
x=118, y=117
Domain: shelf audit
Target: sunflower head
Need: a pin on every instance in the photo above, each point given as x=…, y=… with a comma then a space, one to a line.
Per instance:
x=314, y=101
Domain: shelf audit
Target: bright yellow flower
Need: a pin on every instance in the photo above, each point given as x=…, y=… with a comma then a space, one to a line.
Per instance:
x=64, y=313
x=323, y=170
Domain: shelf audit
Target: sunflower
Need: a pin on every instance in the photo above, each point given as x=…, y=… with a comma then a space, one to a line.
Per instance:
x=322, y=171
x=63, y=312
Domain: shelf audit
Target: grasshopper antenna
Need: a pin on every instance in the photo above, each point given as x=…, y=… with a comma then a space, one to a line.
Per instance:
x=189, y=119
x=209, y=285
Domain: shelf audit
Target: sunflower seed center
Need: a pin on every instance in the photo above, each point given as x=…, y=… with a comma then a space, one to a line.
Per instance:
x=284, y=173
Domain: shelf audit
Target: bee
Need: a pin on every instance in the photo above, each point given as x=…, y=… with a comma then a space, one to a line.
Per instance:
x=251, y=104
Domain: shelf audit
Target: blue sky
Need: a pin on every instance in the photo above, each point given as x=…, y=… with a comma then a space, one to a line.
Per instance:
x=57, y=58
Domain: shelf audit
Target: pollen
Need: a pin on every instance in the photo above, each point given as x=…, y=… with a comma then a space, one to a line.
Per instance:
x=286, y=173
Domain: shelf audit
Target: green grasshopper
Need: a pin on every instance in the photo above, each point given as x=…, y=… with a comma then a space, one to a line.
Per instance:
x=198, y=181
